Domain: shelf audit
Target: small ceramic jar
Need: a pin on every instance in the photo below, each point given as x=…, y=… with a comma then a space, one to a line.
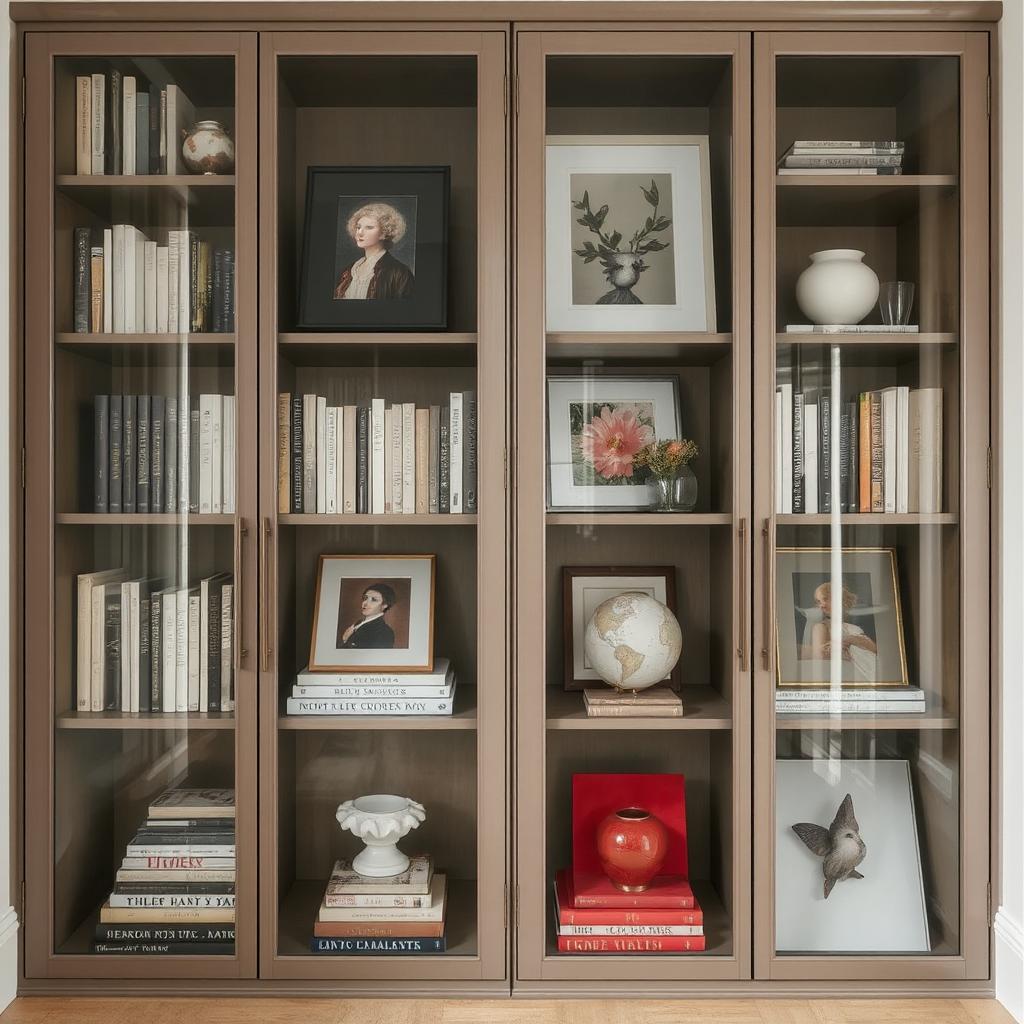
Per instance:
x=631, y=845
x=208, y=149
x=837, y=288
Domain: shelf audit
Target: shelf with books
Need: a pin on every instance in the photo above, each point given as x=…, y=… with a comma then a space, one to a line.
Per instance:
x=367, y=519
x=879, y=519
x=94, y=344
x=174, y=519
x=126, y=720
x=703, y=708
x=463, y=717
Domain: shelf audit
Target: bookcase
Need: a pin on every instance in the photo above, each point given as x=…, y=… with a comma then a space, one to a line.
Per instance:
x=483, y=90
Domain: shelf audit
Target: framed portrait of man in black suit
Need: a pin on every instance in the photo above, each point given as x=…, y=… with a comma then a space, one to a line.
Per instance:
x=373, y=613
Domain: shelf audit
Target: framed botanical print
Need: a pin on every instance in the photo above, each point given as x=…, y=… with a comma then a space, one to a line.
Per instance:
x=373, y=612
x=863, y=602
x=584, y=588
x=628, y=244
x=596, y=425
x=375, y=249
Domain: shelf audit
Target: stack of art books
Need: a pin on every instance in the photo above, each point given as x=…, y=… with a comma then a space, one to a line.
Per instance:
x=843, y=156
x=399, y=915
x=175, y=890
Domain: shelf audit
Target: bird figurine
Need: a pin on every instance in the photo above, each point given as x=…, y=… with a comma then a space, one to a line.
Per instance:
x=840, y=845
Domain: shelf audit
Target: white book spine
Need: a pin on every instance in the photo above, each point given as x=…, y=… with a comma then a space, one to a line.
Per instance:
x=227, y=637
x=125, y=649
x=339, y=468
x=168, y=649
x=409, y=458
x=205, y=454
x=397, y=428
x=193, y=652
x=811, y=459
x=204, y=644
x=331, y=461
x=217, y=454
x=130, y=294
x=83, y=674
x=117, y=284
x=229, y=468
x=321, y=455
x=140, y=281
x=309, y=453
x=902, y=448
x=349, y=465
x=99, y=88
x=98, y=656
x=108, y=283
x=377, y=456
x=151, y=287
x=173, y=279
x=83, y=124
x=778, y=452
x=787, y=448
x=185, y=454
x=135, y=627
x=889, y=447
x=184, y=281
x=128, y=125
x=389, y=483
x=925, y=450
x=161, y=289
x=181, y=650
x=455, y=451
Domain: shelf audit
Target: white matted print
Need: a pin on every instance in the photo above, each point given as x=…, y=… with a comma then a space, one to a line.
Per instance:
x=596, y=425
x=629, y=245
x=373, y=612
x=881, y=912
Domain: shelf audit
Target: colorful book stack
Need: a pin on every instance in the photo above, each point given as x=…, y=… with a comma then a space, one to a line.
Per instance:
x=124, y=283
x=163, y=454
x=889, y=451
x=392, y=693
x=843, y=156
x=599, y=918
x=378, y=459
x=401, y=914
x=907, y=700
x=175, y=889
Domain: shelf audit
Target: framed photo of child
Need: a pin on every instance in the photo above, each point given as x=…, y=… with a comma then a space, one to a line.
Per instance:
x=373, y=612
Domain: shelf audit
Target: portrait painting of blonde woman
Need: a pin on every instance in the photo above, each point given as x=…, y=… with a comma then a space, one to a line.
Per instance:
x=376, y=248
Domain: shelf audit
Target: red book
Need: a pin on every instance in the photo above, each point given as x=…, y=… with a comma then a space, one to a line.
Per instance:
x=666, y=892
x=626, y=944
x=570, y=914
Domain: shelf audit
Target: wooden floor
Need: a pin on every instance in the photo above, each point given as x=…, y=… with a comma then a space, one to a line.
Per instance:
x=434, y=1011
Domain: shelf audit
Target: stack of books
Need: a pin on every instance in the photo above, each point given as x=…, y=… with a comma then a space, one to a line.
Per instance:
x=124, y=283
x=402, y=914
x=145, y=647
x=843, y=156
x=378, y=459
x=163, y=454
x=595, y=917
x=890, y=451
x=907, y=700
x=175, y=889
x=656, y=702
x=392, y=693
x=126, y=125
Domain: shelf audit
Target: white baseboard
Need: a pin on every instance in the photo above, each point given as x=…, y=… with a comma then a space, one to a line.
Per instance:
x=1009, y=973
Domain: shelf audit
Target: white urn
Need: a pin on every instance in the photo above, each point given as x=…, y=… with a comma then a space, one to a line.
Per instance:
x=380, y=820
x=837, y=288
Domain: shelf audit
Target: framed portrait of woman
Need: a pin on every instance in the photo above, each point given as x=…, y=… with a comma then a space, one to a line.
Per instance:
x=375, y=249
x=373, y=612
x=857, y=608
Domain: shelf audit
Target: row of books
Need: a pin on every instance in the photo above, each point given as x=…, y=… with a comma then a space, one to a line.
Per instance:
x=889, y=458
x=843, y=156
x=401, y=914
x=908, y=700
x=149, y=456
x=377, y=459
x=358, y=694
x=125, y=125
x=592, y=916
x=125, y=283
x=142, y=646
x=175, y=890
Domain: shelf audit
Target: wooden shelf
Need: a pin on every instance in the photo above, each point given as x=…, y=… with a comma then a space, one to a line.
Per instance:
x=153, y=200
x=464, y=717
x=861, y=200
x=870, y=519
x=91, y=340
x=867, y=181
x=674, y=346
x=146, y=180
x=142, y=519
x=937, y=718
x=290, y=338
x=392, y=519
x=703, y=708
x=883, y=339
x=638, y=519
x=145, y=720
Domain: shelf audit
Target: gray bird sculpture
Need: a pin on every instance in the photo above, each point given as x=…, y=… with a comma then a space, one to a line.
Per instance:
x=840, y=845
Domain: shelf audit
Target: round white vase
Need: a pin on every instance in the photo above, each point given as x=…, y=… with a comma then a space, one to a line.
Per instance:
x=380, y=821
x=837, y=288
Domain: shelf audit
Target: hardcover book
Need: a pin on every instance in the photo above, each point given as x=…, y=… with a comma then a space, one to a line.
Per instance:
x=626, y=917
x=398, y=946
x=414, y=881
x=379, y=915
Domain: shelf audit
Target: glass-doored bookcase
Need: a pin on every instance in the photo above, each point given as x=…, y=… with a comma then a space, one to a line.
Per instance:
x=140, y=459
x=395, y=106
x=625, y=140
x=871, y=505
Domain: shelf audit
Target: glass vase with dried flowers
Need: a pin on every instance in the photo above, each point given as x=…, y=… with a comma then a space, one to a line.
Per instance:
x=671, y=484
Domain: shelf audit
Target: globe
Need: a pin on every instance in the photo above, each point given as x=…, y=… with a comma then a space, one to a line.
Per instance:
x=633, y=641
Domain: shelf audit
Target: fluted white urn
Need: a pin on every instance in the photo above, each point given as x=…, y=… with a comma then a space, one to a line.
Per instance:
x=837, y=288
x=380, y=820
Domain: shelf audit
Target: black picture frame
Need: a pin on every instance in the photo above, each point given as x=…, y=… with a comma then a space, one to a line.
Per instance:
x=418, y=263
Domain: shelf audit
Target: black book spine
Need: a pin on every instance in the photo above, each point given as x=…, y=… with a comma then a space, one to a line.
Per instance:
x=362, y=460
x=798, y=451
x=213, y=650
x=116, y=449
x=156, y=453
x=155, y=647
x=444, y=463
x=228, y=315
x=853, y=485
x=469, y=462
x=101, y=452
x=162, y=132
x=193, y=460
x=844, y=459
x=825, y=452
x=142, y=444
x=194, y=283
x=171, y=454
x=165, y=933
x=145, y=629
x=154, y=129
x=83, y=279
x=114, y=132
x=112, y=646
x=218, y=291
x=165, y=948
x=297, y=404
x=130, y=432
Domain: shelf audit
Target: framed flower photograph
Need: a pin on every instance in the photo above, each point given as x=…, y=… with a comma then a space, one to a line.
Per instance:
x=629, y=243
x=596, y=425
x=585, y=587
x=375, y=249
x=870, y=620
x=373, y=612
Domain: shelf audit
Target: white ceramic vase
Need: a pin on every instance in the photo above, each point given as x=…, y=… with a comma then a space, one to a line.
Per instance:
x=380, y=821
x=837, y=288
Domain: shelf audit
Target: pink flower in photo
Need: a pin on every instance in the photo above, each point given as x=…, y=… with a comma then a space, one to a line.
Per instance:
x=609, y=441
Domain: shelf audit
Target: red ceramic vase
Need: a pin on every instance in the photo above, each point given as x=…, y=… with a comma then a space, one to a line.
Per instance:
x=632, y=844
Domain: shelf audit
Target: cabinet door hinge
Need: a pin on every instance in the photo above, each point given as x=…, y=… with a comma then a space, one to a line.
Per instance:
x=988, y=467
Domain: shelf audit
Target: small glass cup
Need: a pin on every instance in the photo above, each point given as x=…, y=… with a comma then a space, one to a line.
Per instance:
x=895, y=301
